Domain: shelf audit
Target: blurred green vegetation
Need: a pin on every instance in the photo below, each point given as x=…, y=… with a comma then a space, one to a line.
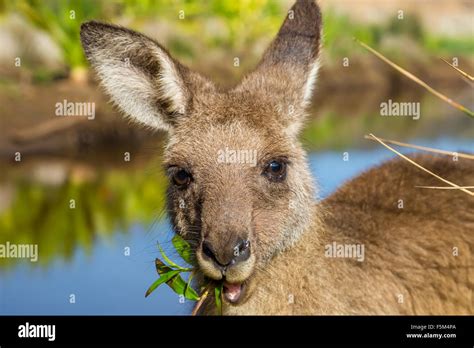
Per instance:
x=41, y=214
x=195, y=28
x=62, y=20
x=340, y=30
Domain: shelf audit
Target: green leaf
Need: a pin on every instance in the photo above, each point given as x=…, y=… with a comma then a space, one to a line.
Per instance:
x=179, y=286
x=173, y=280
x=165, y=277
x=218, y=296
x=183, y=248
x=189, y=292
x=168, y=260
x=161, y=267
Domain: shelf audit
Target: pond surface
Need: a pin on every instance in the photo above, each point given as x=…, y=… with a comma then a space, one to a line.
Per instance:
x=93, y=266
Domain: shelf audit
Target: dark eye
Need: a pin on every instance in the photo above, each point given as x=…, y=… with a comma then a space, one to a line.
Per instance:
x=181, y=178
x=275, y=170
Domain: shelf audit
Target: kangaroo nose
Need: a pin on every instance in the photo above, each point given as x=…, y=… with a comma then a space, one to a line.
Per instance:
x=228, y=255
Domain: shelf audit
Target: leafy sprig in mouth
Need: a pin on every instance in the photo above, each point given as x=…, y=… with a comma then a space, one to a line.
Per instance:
x=170, y=274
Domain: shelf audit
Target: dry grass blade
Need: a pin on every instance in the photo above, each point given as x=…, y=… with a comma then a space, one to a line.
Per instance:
x=464, y=74
x=418, y=81
x=422, y=168
x=424, y=148
x=200, y=302
x=445, y=187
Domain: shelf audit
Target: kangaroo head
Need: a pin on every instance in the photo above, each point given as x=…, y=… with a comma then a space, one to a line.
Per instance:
x=240, y=188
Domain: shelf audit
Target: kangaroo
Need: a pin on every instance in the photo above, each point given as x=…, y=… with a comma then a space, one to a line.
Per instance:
x=240, y=190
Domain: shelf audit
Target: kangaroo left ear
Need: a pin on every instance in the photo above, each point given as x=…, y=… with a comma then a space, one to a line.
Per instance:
x=142, y=79
x=290, y=65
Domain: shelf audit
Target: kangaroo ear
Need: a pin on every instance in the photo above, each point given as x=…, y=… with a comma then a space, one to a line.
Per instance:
x=143, y=80
x=289, y=67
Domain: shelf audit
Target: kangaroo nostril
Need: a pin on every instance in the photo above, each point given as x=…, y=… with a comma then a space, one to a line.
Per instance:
x=242, y=250
x=244, y=245
x=207, y=250
x=226, y=256
x=241, y=247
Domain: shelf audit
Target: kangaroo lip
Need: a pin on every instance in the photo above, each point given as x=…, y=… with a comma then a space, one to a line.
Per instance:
x=232, y=292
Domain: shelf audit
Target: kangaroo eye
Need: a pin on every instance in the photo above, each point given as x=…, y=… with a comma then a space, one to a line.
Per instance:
x=275, y=170
x=275, y=167
x=181, y=178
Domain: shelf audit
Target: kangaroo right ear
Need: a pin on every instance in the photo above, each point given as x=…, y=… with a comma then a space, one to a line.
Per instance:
x=288, y=69
x=142, y=79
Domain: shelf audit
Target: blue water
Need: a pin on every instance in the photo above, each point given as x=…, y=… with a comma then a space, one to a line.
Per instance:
x=105, y=281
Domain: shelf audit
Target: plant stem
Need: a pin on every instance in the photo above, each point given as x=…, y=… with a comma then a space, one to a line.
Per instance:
x=200, y=302
x=424, y=148
x=422, y=168
x=464, y=74
x=445, y=187
x=417, y=80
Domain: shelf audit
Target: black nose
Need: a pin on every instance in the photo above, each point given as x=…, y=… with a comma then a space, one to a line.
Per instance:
x=227, y=255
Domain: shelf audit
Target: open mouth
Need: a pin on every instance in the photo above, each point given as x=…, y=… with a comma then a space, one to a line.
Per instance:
x=233, y=293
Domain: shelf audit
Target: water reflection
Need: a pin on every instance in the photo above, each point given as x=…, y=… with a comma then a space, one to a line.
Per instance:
x=62, y=207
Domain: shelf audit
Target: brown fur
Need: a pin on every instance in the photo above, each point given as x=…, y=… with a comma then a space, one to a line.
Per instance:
x=409, y=251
